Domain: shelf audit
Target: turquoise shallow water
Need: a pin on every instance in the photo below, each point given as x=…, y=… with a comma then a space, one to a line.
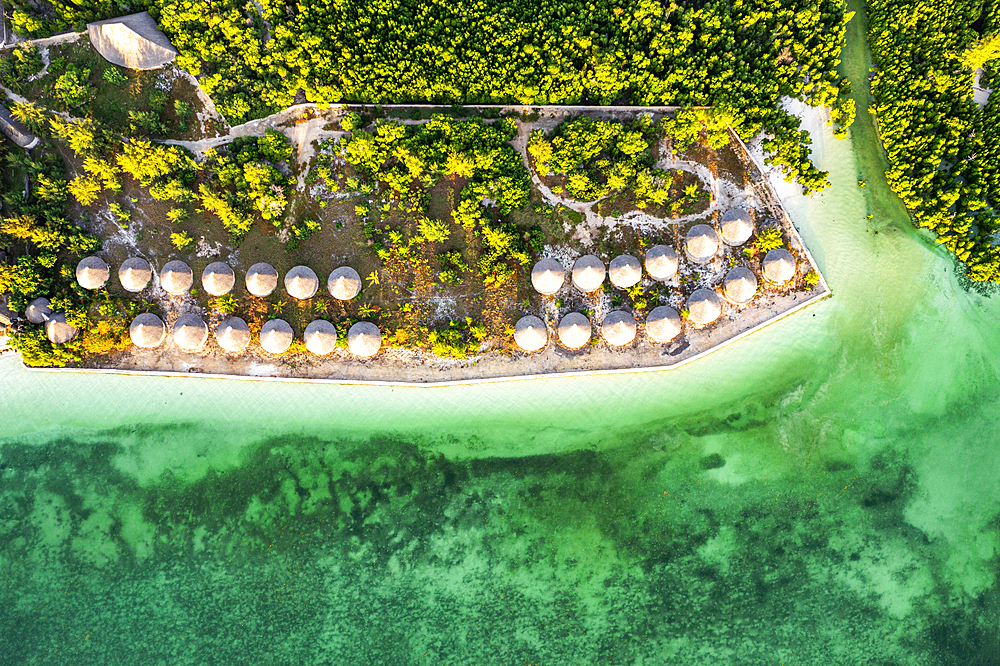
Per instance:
x=822, y=492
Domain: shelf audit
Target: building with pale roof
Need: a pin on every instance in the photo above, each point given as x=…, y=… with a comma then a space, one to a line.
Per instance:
x=276, y=336
x=176, y=278
x=737, y=227
x=779, y=265
x=625, y=271
x=661, y=262
x=301, y=283
x=663, y=324
x=364, y=339
x=704, y=306
x=618, y=328
x=575, y=330
x=132, y=41
x=740, y=284
x=530, y=333
x=134, y=274
x=232, y=334
x=92, y=273
x=588, y=273
x=190, y=332
x=147, y=331
x=38, y=311
x=262, y=279
x=58, y=330
x=344, y=283
x=218, y=278
x=548, y=276
x=320, y=337
x=701, y=243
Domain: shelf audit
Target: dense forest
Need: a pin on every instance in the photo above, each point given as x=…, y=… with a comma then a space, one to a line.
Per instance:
x=740, y=56
x=944, y=152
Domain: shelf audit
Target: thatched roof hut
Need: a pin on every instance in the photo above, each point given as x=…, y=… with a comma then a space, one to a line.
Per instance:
x=530, y=333
x=704, y=306
x=134, y=274
x=276, y=336
x=588, y=273
x=574, y=330
x=262, y=279
x=176, y=278
x=58, y=330
x=232, y=334
x=15, y=131
x=618, y=328
x=661, y=262
x=190, y=333
x=701, y=243
x=344, y=283
x=737, y=227
x=548, y=276
x=364, y=339
x=779, y=265
x=663, y=324
x=301, y=283
x=740, y=284
x=132, y=41
x=218, y=278
x=625, y=271
x=92, y=273
x=147, y=331
x=38, y=311
x=320, y=337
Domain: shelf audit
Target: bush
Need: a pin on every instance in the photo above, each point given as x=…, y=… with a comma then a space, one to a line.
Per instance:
x=181, y=240
x=114, y=76
x=768, y=239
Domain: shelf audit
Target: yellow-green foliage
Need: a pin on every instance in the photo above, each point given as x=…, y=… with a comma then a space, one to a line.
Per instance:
x=85, y=189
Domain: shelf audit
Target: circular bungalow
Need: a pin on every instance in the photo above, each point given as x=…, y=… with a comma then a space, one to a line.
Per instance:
x=588, y=273
x=232, y=334
x=176, y=278
x=344, y=283
x=320, y=337
x=618, y=328
x=190, y=333
x=701, y=243
x=134, y=274
x=92, y=273
x=58, y=331
x=574, y=330
x=663, y=324
x=624, y=271
x=147, y=331
x=38, y=311
x=737, y=227
x=548, y=276
x=301, y=283
x=530, y=333
x=262, y=279
x=276, y=336
x=218, y=278
x=740, y=284
x=661, y=262
x=779, y=265
x=364, y=339
x=704, y=306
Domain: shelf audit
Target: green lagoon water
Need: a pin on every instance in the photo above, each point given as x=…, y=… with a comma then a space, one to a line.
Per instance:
x=823, y=492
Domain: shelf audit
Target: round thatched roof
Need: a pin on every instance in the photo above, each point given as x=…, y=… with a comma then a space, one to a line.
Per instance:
x=624, y=271
x=132, y=41
x=190, y=332
x=218, y=278
x=364, y=339
x=779, y=265
x=548, y=276
x=262, y=279
x=530, y=333
x=663, y=324
x=176, y=278
x=320, y=337
x=661, y=262
x=701, y=243
x=588, y=273
x=38, y=310
x=92, y=273
x=135, y=274
x=276, y=336
x=740, y=284
x=704, y=306
x=147, y=331
x=574, y=330
x=232, y=334
x=301, y=283
x=58, y=331
x=618, y=328
x=344, y=283
x=737, y=226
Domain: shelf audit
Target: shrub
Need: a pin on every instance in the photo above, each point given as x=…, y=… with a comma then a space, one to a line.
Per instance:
x=181, y=240
x=768, y=239
x=114, y=76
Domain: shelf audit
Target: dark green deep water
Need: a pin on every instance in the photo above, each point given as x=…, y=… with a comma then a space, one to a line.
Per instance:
x=824, y=492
